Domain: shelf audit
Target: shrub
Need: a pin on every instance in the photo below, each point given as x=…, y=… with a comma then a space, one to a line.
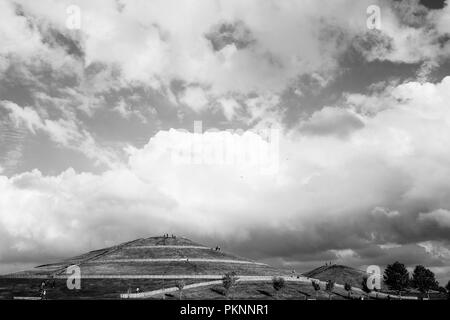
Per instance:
x=348, y=288
x=180, y=285
x=316, y=286
x=229, y=281
x=329, y=288
x=278, y=284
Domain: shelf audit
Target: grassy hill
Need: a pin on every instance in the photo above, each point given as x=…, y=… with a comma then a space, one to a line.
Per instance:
x=148, y=264
x=339, y=274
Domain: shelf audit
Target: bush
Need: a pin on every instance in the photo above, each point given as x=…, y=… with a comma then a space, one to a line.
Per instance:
x=329, y=288
x=348, y=288
x=278, y=284
x=316, y=286
x=180, y=285
x=229, y=281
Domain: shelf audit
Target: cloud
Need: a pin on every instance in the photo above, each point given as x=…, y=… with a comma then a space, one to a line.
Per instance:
x=440, y=217
x=360, y=174
x=127, y=111
x=195, y=98
x=64, y=132
x=230, y=106
x=369, y=189
x=332, y=121
x=227, y=49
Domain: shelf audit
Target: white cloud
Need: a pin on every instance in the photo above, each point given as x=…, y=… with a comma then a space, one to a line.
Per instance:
x=195, y=98
x=227, y=48
x=230, y=106
x=126, y=111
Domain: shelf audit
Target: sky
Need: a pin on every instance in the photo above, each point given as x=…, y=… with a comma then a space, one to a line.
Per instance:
x=292, y=132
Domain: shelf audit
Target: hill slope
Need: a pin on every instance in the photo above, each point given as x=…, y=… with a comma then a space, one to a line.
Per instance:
x=339, y=274
x=155, y=256
x=148, y=264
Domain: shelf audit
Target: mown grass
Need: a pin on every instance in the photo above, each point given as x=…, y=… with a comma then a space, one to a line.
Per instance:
x=168, y=253
x=176, y=268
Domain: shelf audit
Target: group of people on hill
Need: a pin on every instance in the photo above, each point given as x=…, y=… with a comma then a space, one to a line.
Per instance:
x=166, y=235
x=217, y=248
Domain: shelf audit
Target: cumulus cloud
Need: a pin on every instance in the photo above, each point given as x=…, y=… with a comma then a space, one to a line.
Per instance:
x=369, y=189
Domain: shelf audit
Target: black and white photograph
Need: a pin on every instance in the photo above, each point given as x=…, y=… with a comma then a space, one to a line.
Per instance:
x=241, y=151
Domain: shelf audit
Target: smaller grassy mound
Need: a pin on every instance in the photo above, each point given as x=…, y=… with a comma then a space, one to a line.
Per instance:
x=339, y=274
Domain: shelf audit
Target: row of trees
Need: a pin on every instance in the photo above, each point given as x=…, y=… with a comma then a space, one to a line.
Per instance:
x=397, y=278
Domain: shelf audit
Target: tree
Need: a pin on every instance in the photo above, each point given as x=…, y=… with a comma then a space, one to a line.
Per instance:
x=448, y=286
x=316, y=286
x=329, y=288
x=348, y=288
x=278, y=284
x=229, y=281
x=424, y=280
x=396, y=277
x=180, y=285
